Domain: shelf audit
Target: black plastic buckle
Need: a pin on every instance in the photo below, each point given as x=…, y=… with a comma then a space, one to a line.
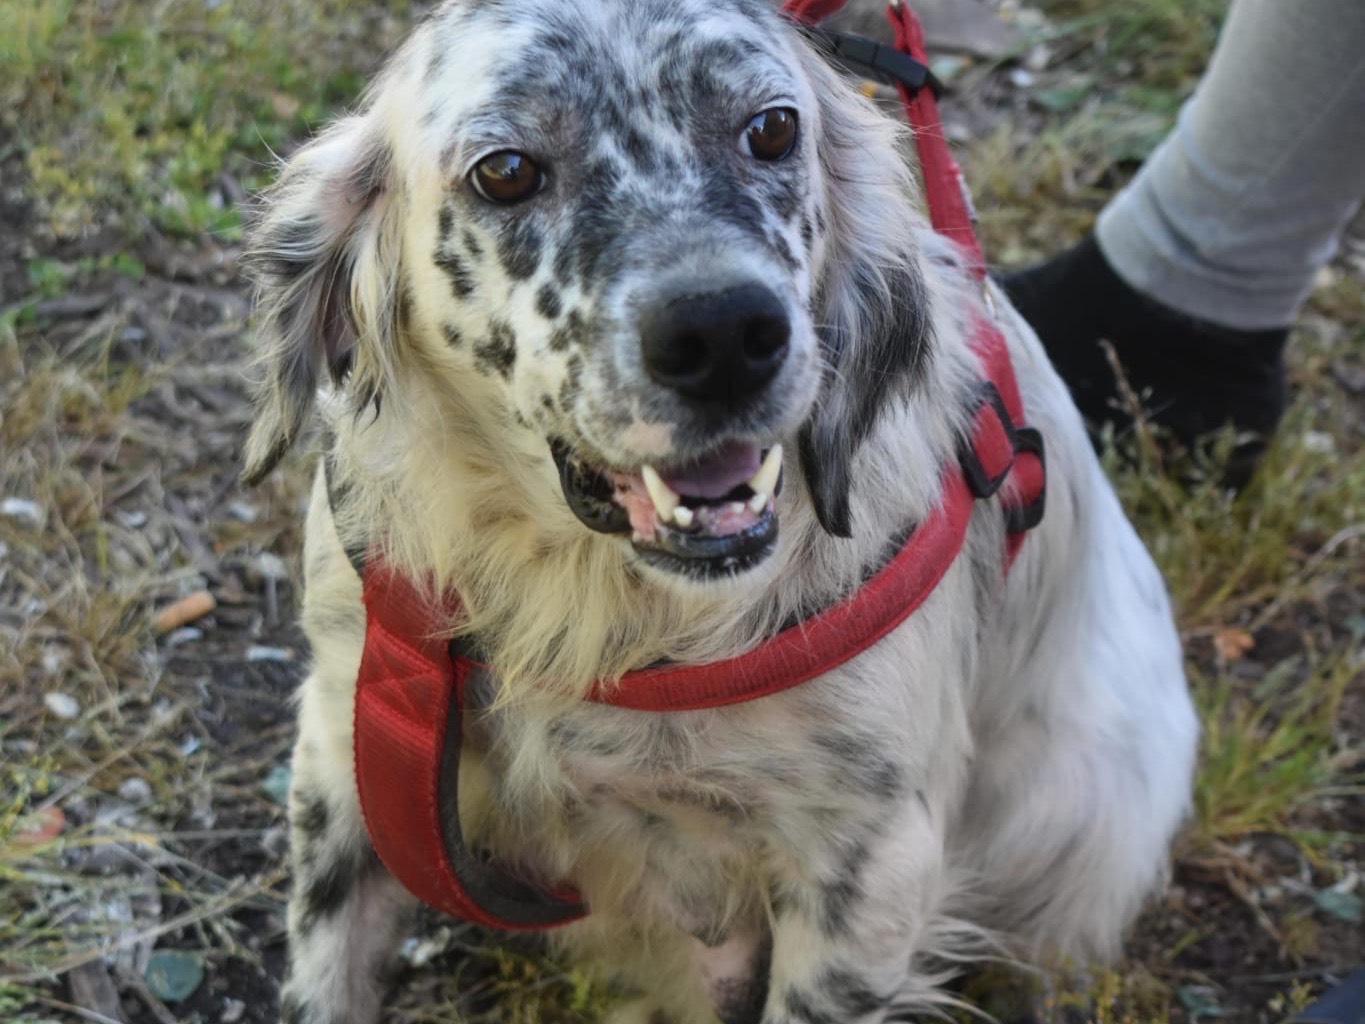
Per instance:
x=982, y=484
x=887, y=60
x=1019, y=518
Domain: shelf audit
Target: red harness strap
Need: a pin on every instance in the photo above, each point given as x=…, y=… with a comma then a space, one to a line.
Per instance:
x=409, y=703
x=410, y=692
x=945, y=190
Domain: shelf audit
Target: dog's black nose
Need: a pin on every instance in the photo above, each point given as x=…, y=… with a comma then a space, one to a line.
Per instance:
x=716, y=346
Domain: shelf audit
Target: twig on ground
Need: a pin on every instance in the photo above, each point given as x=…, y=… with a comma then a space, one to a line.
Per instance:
x=79, y=1011
x=1290, y=589
x=93, y=990
x=186, y=610
x=72, y=306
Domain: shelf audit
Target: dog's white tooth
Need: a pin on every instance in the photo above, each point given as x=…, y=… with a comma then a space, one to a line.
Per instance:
x=737, y=508
x=765, y=480
x=758, y=503
x=665, y=500
x=683, y=516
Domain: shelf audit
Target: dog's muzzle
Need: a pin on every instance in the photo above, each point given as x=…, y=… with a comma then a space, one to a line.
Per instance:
x=710, y=517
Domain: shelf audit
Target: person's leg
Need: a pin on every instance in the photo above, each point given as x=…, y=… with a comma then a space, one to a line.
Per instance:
x=1197, y=269
x=1246, y=199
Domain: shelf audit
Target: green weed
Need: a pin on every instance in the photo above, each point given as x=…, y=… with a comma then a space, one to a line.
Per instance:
x=1269, y=751
x=139, y=110
x=1156, y=47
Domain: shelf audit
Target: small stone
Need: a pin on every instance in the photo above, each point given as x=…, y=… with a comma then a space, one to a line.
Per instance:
x=136, y=791
x=233, y=1011
x=1319, y=442
x=948, y=66
x=1038, y=58
x=1199, y=1000
x=417, y=952
x=957, y=132
x=53, y=660
x=259, y=653
x=174, y=975
x=276, y=783
x=23, y=510
x=271, y=567
x=184, y=635
x=62, y=705
x=1341, y=903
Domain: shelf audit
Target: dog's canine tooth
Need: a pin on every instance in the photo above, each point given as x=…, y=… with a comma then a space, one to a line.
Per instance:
x=758, y=503
x=683, y=516
x=765, y=480
x=663, y=496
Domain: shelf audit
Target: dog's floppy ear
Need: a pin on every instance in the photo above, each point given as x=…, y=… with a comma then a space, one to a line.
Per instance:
x=871, y=299
x=324, y=269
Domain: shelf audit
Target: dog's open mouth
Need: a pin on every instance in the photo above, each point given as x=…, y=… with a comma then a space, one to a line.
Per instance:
x=712, y=516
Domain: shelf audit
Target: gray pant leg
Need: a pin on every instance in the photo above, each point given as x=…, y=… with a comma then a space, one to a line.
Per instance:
x=1247, y=197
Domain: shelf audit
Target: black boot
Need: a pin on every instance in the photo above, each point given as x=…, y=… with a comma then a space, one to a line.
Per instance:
x=1193, y=376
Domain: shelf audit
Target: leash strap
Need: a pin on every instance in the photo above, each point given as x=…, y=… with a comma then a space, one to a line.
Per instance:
x=945, y=188
x=952, y=214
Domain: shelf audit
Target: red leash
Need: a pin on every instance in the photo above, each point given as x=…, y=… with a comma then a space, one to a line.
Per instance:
x=945, y=189
x=410, y=693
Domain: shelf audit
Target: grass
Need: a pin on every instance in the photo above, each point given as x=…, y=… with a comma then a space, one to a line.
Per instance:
x=138, y=816
x=1239, y=566
x=154, y=114
x=1114, y=75
x=1271, y=751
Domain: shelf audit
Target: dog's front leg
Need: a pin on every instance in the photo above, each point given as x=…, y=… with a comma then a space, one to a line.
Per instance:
x=345, y=910
x=849, y=937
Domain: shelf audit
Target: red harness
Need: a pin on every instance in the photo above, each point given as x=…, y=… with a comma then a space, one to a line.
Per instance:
x=411, y=690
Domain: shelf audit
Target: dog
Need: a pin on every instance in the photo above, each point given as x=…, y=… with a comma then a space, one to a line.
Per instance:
x=623, y=323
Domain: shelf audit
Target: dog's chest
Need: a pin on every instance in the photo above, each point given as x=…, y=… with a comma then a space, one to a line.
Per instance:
x=688, y=819
x=697, y=771
x=711, y=787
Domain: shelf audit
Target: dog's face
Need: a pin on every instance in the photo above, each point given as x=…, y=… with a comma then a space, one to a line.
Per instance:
x=626, y=218
x=609, y=217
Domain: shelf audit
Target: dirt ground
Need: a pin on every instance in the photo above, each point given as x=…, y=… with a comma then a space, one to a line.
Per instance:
x=140, y=806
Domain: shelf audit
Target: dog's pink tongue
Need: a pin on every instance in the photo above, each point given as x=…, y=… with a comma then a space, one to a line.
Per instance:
x=717, y=474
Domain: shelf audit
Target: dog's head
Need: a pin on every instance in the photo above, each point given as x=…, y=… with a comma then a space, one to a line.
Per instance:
x=659, y=236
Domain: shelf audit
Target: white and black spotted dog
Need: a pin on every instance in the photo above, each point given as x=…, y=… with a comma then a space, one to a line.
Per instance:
x=571, y=287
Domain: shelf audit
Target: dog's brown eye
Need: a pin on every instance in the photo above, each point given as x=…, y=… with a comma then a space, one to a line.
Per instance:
x=507, y=177
x=771, y=135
